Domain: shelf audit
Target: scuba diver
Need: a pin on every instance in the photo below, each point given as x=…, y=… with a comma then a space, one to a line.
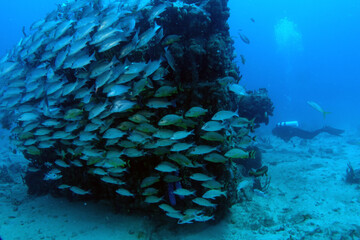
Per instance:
x=287, y=130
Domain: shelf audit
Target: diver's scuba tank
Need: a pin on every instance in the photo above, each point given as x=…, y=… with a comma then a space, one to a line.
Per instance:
x=288, y=123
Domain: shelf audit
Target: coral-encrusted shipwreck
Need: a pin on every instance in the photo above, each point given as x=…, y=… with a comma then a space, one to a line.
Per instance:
x=94, y=124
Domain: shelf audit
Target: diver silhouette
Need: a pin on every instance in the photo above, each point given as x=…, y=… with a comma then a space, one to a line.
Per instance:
x=287, y=130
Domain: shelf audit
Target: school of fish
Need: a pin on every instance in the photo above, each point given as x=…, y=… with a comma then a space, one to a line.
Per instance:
x=75, y=90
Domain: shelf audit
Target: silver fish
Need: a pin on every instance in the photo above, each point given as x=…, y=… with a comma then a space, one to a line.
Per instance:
x=167, y=208
x=181, y=135
x=224, y=115
x=108, y=21
x=148, y=181
x=237, y=89
x=158, y=103
x=77, y=45
x=184, y=192
x=178, y=147
x=61, y=43
x=110, y=43
x=62, y=28
x=201, y=177
x=124, y=192
x=212, y=126
x=202, y=149
x=116, y=90
x=97, y=110
x=101, y=36
x=203, y=202
x=145, y=37
x=83, y=61
x=166, y=167
x=84, y=31
x=113, y=133
x=151, y=67
x=26, y=117
x=153, y=199
x=79, y=191
x=122, y=106
x=156, y=11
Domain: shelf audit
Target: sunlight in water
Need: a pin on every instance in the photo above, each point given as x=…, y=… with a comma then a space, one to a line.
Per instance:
x=287, y=36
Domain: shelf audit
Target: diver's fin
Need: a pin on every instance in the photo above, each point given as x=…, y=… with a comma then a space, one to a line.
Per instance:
x=332, y=131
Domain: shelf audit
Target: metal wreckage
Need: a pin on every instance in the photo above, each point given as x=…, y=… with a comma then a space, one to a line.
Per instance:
x=135, y=102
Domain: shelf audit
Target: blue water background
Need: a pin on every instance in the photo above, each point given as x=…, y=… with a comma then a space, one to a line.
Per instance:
x=14, y=14
x=322, y=66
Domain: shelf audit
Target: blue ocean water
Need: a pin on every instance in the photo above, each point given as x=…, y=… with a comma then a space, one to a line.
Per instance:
x=19, y=13
x=300, y=51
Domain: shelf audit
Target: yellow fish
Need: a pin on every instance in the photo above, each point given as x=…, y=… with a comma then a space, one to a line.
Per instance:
x=318, y=108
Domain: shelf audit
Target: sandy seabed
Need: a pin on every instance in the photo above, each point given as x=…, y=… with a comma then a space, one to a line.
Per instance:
x=307, y=199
